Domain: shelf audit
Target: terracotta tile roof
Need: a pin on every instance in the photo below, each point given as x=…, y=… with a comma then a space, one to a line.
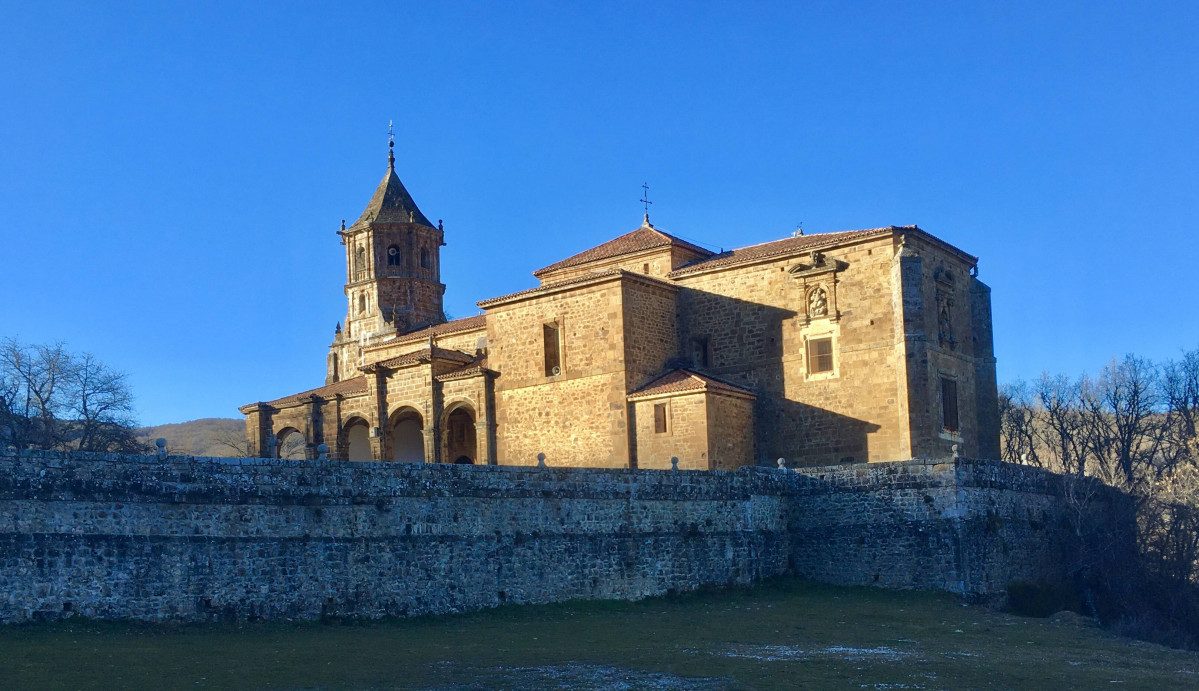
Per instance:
x=585, y=278
x=479, y=321
x=685, y=381
x=780, y=247
x=345, y=387
x=469, y=370
x=422, y=355
x=592, y=277
x=644, y=238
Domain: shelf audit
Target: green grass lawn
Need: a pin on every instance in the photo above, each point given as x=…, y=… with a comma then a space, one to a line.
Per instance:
x=783, y=634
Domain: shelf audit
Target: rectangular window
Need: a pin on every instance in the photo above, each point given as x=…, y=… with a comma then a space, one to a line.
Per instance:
x=820, y=355
x=699, y=352
x=553, y=350
x=949, y=405
x=660, y=418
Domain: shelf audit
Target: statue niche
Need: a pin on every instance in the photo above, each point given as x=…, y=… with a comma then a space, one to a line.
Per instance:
x=818, y=303
x=818, y=280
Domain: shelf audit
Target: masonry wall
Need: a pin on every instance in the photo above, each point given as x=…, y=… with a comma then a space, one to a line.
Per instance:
x=755, y=323
x=580, y=416
x=194, y=539
x=128, y=537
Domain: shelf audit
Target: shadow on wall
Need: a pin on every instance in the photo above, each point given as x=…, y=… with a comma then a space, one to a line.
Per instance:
x=745, y=343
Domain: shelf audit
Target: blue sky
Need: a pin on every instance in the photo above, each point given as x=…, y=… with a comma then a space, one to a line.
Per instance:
x=173, y=173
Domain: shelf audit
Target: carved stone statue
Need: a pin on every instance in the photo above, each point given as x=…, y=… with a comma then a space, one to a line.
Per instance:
x=818, y=303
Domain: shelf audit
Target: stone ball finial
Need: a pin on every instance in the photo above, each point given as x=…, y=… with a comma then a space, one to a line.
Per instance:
x=782, y=464
x=1024, y=459
x=674, y=462
x=322, y=452
x=541, y=460
x=160, y=443
x=957, y=451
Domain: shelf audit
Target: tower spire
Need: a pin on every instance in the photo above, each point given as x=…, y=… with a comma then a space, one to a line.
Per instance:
x=391, y=142
x=645, y=200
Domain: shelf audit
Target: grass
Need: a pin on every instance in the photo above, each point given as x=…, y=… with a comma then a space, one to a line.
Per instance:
x=782, y=634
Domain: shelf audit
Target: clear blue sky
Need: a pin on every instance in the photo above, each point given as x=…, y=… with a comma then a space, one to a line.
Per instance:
x=172, y=174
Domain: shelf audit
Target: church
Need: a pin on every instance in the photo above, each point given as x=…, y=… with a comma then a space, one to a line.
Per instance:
x=844, y=347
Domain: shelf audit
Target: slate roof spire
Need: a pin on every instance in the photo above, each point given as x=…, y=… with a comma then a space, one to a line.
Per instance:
x=391, y=203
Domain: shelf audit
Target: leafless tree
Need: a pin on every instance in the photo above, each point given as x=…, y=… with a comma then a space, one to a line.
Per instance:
x=51, y=399
x=33, y=397
x=1017, y=424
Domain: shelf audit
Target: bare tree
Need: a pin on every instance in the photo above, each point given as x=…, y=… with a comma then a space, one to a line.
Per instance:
x=1062, y=428
x=32, y=379
x=50, y=399
x=1124, y=420
x=1017, y=424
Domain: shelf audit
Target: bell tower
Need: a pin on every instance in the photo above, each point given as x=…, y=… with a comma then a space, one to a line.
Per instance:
x=393, y=273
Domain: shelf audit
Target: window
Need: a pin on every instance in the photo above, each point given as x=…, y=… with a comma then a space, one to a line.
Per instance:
x=424, y=258
x=393, y=256
x=360, y=264
x=553, y=349
x=660, y=418
x=699, y=352
x=820, y=355
x=645, y=268
x=361, y=303
x=949, y=405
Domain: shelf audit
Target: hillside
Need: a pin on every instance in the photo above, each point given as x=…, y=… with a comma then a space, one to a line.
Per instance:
x=212, y=436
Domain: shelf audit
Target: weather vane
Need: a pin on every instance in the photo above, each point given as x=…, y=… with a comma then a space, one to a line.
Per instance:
x=391, y=135
x=645, y=197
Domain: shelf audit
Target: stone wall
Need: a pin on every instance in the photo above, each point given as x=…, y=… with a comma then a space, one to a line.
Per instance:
x=120, y=537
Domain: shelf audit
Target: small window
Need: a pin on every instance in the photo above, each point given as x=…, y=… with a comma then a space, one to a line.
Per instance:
x=553, y=349
x=949, y=405
x=393, y=256
x=820, y=355
x=699, y=352
x=424, y=258
x=660, y=418
x=645, y=268
x=361, y=303
x=360, y=263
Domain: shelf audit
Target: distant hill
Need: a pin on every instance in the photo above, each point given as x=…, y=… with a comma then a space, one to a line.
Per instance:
x=209, y=436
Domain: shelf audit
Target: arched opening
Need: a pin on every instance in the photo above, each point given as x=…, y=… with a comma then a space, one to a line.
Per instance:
x=360, y=264
x=407, y=436
x=292, y=444
x=358, y=441
x=460, y=444
x=424, y=258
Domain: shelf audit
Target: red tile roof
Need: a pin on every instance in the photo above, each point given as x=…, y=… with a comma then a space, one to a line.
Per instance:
x=803, y=243
x=345, y=387
x=422, y=355
x=644, y=238
x=472, y=369
x=779, y=247
x=479, y=321
x=685, y=381
x=592, y=277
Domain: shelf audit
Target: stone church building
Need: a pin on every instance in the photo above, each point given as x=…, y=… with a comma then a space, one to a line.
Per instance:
x=862, y=345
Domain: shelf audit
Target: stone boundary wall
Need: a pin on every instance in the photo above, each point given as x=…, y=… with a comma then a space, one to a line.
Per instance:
x=193, y=539
x=118, y=537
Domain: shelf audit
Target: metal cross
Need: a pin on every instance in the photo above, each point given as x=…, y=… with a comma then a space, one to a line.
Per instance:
x=645, y=197
x=391, y=135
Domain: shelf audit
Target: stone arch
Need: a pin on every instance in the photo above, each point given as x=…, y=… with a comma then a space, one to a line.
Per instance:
x=406, y=435
x=291, y=443
x=356, y=440
x=459, y=442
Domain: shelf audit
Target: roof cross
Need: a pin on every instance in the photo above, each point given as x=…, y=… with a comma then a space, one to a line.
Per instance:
x=645, y=197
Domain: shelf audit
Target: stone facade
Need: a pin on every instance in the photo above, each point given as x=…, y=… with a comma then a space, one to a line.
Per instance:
x=194, y=539
x=867, y=345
